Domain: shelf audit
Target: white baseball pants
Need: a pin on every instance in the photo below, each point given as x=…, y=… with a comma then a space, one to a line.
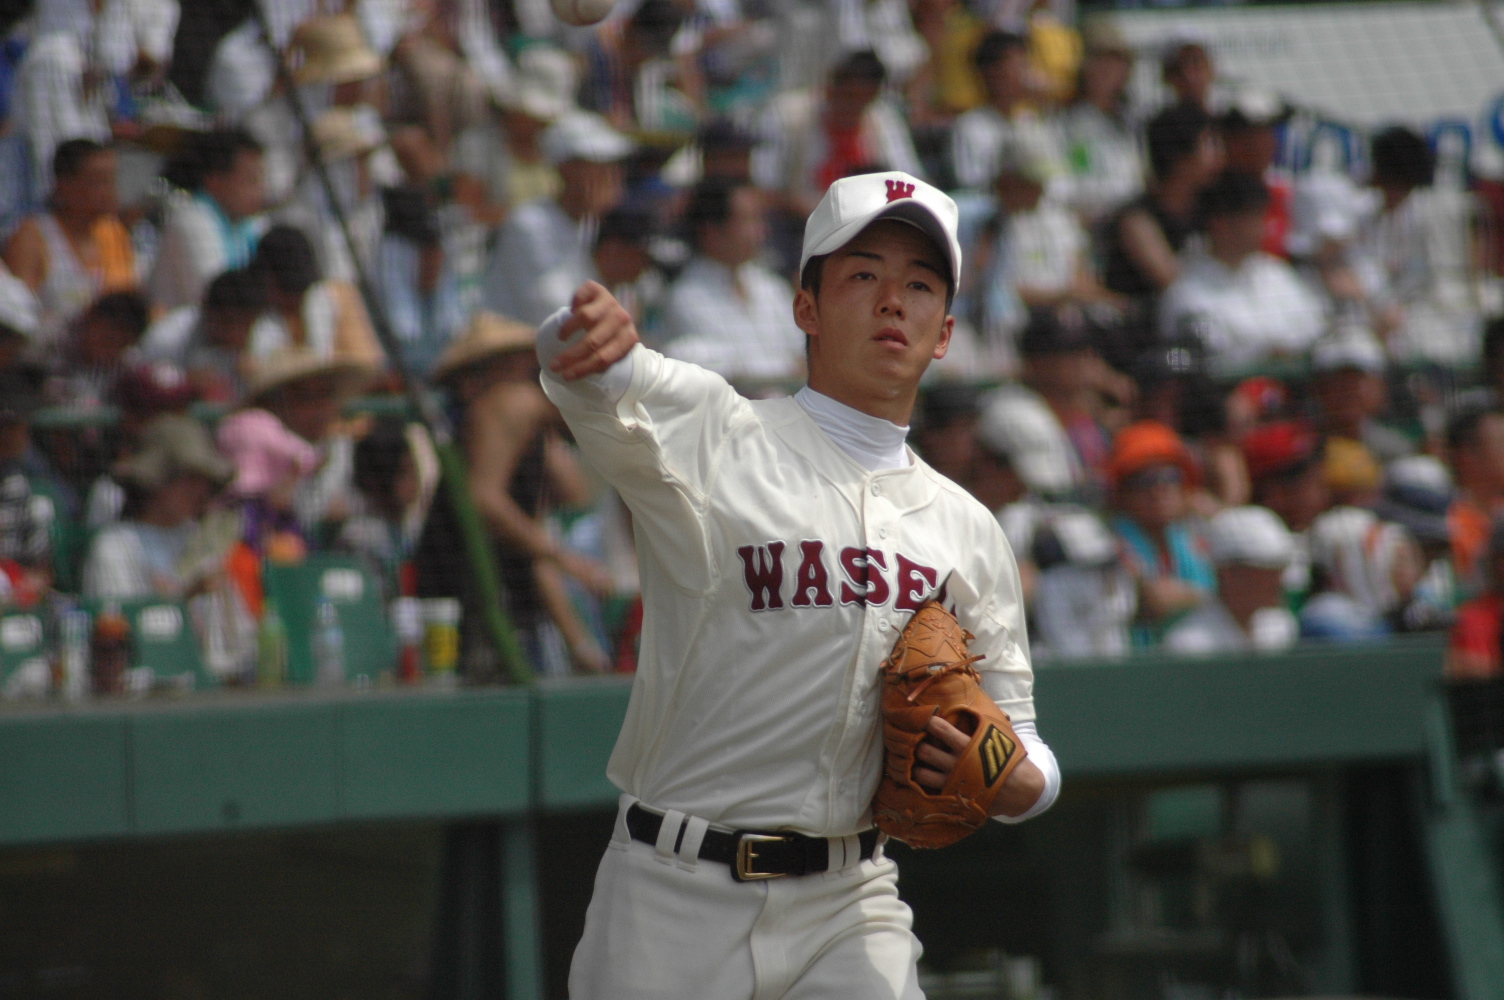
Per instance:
x=667, y=926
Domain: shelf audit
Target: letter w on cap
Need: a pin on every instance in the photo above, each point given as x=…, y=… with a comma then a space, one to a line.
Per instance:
x=898, y=189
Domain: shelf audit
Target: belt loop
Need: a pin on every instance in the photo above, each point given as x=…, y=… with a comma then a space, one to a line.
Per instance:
x=620, y=833
x=668, y=835
x=851, y=845
x=689, y=848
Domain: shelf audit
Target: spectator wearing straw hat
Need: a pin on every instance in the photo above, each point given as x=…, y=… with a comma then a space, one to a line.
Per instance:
x=516, y=460
x=306, y=392
x=1152, y=473
x=168, y=481
x=543, y=249
x=214, y=227
x=499, y=162
x=1251, y=548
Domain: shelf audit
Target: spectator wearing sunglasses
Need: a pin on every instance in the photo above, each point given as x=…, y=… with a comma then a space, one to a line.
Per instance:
x=1152, y=472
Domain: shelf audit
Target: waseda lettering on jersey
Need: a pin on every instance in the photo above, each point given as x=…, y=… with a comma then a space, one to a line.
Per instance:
x=915, y=583
x=762, y=568
x=812, y=583
x=864, y=571
x=858, y=565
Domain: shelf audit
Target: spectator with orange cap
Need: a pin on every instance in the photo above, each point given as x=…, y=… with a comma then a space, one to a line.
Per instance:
x=1151, y=471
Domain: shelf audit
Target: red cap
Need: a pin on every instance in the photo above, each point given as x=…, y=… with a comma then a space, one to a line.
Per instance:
x=1147, y=443
x=1266, y=396
x=1280, y=447
x=155, y=387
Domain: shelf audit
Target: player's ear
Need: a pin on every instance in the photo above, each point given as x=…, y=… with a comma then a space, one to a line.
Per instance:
x=806, y=314
x=946, y=330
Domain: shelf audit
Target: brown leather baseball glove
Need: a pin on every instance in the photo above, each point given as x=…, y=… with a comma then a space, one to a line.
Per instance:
x=930, y=672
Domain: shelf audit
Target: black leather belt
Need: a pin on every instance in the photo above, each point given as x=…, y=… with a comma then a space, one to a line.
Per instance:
x=752, y=856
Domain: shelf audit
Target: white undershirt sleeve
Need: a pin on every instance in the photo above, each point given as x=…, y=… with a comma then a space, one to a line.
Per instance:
x=610, y=385
x=1044, y=759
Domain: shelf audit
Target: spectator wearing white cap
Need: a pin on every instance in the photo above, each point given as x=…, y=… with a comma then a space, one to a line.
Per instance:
x=1251, y=548
x=499, y=161
x=1020, y=466
x=1085, y=599
x=726, y=311
x=1364, y=571
x=1348, y=365
x=543, y=249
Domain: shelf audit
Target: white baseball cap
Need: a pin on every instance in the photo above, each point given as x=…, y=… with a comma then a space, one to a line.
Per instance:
x=1349, y=346
x=1018, y=425
x=854, y=203
x=1253, y=536
x=584, y=135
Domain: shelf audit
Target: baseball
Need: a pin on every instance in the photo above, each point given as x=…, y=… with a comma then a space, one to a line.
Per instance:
x=581, y=12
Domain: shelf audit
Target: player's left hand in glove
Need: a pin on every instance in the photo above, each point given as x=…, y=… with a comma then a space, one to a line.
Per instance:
x=928, y=674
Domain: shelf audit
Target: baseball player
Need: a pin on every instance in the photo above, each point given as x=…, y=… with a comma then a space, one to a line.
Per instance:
x=783, y=544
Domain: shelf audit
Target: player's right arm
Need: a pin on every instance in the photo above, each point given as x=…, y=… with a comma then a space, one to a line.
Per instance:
x=654, y=428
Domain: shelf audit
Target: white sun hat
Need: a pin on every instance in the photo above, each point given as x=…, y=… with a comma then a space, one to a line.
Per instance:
x=854, y=203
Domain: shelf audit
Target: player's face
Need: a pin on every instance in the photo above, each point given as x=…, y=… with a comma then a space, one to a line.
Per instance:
x=880, y=317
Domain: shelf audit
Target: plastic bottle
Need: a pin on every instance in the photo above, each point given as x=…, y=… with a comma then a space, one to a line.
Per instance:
x=73, y=653
x=110, y=650
x=407, y=619
x=328, y=647
x=271, y=649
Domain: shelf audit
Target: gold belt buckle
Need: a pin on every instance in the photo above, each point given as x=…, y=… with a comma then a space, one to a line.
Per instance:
x=746, y=854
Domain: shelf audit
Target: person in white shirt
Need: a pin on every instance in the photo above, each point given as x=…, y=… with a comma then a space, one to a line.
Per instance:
x=727, y=312
x=1101, y=138
x=783, y=543
x=543, y=249
x=216, y=227
x=1245, y=305
x=980, y=135
x=812, y=139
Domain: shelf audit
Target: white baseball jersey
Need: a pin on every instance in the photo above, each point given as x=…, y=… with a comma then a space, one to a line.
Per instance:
x=776, y=574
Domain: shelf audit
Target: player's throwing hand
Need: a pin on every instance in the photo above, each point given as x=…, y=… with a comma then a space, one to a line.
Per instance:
x=609, y=333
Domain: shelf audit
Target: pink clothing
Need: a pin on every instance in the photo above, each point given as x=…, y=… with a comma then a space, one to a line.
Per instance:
x=264, y=451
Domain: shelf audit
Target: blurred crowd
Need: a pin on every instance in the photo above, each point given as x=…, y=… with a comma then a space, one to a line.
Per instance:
x=1217, y=403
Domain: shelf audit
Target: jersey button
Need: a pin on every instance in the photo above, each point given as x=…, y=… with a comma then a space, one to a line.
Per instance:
x=877, y=490
x=882, y=625
x=882, y=532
